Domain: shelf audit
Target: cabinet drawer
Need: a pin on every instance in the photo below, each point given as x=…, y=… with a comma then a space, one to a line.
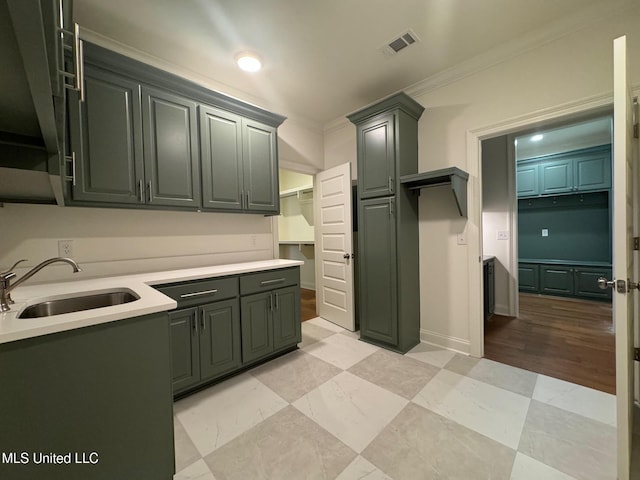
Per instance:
x=201, y=291
x=264, y=281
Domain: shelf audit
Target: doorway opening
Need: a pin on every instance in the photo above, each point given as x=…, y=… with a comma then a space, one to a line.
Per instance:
x=546, y=220
x=296, y=233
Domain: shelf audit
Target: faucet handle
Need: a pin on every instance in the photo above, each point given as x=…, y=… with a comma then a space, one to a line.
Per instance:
x=5, y=277
x=14, y=266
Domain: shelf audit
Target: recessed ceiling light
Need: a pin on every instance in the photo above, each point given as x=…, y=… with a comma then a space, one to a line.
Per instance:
x=537, y=138
x=248, y=61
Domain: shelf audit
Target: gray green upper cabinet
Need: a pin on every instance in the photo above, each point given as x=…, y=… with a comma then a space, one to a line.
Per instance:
x=172, y=166
x=585, y=170
x=239, y=162
x=376, y=161
x=221, y=154
x=149, y=139
x=527, y=180
x=389, y=285
x=106, y=138
x=260, y=167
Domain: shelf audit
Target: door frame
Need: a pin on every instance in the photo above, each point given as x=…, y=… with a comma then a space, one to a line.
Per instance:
x=566, y=113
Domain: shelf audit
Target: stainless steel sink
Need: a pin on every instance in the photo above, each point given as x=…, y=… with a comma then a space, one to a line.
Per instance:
x=78, y=303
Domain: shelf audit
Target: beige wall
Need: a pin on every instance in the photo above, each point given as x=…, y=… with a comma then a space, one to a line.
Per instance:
x=120, y=241
x=557, y=76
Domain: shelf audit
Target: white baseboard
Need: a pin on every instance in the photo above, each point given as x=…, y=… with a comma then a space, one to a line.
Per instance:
x=308, y=286
x=444, y=341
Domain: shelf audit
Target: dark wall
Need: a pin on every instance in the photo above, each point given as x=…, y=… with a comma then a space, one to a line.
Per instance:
x=579, y=228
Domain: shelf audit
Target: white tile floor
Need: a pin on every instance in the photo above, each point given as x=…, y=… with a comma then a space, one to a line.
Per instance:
x=341, y=408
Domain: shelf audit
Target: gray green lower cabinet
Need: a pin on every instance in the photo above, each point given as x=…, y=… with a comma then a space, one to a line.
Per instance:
x=378, y=270
x=100, y=396
x=489, y=293
x=205, y=343
x=257, y=316
x=270, y=322
x=579, y=281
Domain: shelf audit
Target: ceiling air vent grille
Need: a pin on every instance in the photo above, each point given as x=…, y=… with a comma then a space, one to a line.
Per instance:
x=400, y=42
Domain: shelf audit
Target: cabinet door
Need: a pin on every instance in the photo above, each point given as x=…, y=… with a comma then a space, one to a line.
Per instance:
x=586, y=282
x=171, y=158
x=556, y=176
x=528, y=277
x=220, y=349
x=378, y=270
x=376, y=157
x=556, y=280
x=257, y=326
x=286, y=317
x=185, y=351
x=593, y=172
x=106, y=138
x=260, y=167
x=527, y=181
x=221, y=154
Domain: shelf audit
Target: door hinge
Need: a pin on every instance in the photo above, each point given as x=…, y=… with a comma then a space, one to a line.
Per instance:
x=636, y=354
x=636, y=243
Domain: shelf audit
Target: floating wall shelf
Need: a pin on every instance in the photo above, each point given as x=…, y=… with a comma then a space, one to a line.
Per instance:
x=447, y=176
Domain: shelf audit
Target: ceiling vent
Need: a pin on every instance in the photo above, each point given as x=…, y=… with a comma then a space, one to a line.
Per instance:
x=401, y=42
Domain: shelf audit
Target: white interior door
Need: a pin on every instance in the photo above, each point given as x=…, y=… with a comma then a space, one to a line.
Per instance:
x=623, y=256
x=334, y=246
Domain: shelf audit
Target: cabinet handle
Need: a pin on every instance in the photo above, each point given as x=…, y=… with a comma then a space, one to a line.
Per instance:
x=247, y=204
x=149, y=191
x=276, y=296
x=241, y=199
x=195, y=294
x=271, y=282
x=80, y=66
x=140, y=191
x=271, y=302
x=391, y=207
x=73, y=168
x=194, y=323
x=390, y=184
x=203, y=323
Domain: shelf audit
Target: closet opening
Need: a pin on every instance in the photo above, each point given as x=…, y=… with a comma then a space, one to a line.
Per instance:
x=296, y=233
x=547, y=238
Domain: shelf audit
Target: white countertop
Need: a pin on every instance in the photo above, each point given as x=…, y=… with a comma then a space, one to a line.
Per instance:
x=150, y=301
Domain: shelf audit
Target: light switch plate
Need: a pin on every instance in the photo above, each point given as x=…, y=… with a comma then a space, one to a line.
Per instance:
x=545, y=232
x=502, y=235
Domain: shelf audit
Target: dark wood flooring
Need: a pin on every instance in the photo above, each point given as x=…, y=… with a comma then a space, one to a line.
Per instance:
x=308, y=304
x=572, y=340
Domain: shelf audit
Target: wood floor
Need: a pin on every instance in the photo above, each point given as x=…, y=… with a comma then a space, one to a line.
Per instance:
x=308, y=304
x=569, y=339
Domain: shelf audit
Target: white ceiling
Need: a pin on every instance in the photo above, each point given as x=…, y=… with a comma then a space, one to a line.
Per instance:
x=322, y=57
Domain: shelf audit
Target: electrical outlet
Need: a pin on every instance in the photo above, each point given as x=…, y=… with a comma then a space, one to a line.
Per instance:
x=502, y=235
x=462, y=238
x=65, y=248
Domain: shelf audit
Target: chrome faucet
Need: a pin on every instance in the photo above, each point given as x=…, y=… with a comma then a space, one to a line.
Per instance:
x=5, y=278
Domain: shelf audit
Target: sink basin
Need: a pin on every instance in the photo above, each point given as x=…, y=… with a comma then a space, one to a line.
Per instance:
x=78, y=303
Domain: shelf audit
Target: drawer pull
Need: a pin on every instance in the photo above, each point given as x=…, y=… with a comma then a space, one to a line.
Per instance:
x=271, y=282
x=197, y=294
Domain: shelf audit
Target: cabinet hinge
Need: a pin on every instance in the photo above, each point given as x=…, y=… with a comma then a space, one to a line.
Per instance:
x=636, y=243
x=636, y=354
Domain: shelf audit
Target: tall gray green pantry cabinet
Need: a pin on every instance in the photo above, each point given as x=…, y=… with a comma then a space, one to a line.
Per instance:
x=388, y=266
